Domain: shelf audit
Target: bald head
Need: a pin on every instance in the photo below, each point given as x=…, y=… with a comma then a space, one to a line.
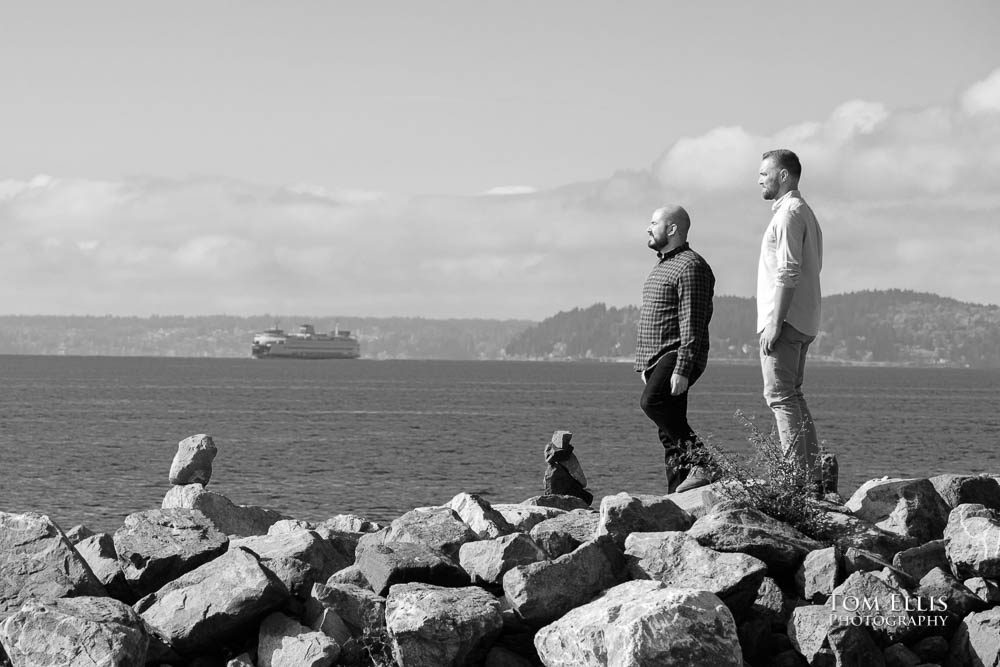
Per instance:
x=668, y=228
x=674, y=215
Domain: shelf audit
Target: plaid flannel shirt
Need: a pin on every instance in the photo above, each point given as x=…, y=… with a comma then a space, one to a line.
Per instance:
x=676, y=310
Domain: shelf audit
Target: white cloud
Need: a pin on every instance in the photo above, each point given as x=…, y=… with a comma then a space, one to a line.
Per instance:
x=861, y=149
x=511, y=190
x=907, y=198
x=725, y=157
x=984, y=96
x=853, y=119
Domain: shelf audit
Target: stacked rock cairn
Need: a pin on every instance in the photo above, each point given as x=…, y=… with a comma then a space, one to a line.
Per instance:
x=909, y=575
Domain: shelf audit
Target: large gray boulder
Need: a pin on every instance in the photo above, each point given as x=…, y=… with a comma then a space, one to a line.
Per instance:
x=700, y=501
x=968, y=511
x=889, y=612
x=284, y=642
x=984, y=589
x=641, y=623
x=485, y=522
x=623, y=514
x=349, y=523
x=221, y=599
x=896, y=578
x=559, y=501
x=157, y=546
x=850, y=532
x=857, y=560
x=821, y=572
x=972, y=542
x=542, y=592
x=809, y=626
x=752, y=532
x=359, y=608
x=300, y=558
x=941, y=585
x=773, y=604
x=853, y=645
x=919, y=560
x=910, y=507
x=193, y=461
x=77, y=533
x=487, y=561
x=330, y=623
x=564, y=533
x=75, y=632
x=523, y=518
x=431, y=626
x=958, y=490
x=284, y=526
x=228, y=517
x=349, y=575
x=977, y=640
x=403, y=562
x=345, y=544
x=438, y=527
x=677, y=560
x=99, y=552
x=36, y=561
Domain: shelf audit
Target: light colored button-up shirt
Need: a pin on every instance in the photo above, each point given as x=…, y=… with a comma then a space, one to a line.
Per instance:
x=791, y=255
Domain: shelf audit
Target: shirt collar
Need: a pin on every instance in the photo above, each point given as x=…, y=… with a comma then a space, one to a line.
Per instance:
x=783, y=199
x=667, y=255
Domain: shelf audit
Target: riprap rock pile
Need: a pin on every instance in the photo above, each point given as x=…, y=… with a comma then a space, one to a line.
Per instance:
x=909, y=575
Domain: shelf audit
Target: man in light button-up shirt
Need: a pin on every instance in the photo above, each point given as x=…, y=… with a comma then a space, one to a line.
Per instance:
x=788, y=304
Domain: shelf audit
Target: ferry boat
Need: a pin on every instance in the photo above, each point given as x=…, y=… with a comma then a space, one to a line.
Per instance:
x=304, y=344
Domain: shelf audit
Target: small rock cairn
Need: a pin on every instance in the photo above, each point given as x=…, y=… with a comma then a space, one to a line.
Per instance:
x=910, y=575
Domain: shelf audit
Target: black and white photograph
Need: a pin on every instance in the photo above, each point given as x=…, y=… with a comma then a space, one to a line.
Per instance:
x=454, y=334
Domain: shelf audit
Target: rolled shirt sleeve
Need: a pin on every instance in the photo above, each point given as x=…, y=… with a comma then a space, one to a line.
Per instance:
x=789, y=236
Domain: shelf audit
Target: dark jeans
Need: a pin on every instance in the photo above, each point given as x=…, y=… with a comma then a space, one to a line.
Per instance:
x=681, y=445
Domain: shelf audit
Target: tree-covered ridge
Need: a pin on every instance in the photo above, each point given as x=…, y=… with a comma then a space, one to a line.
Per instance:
x=888, y=326
x=891, y=326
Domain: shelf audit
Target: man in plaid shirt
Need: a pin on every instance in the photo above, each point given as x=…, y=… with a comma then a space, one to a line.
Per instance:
x=672, y=347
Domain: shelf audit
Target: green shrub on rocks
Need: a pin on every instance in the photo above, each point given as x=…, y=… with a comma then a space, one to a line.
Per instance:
x=769, y=482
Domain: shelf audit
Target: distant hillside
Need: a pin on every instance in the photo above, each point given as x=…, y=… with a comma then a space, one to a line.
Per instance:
x=890, y=326
x=227, y=336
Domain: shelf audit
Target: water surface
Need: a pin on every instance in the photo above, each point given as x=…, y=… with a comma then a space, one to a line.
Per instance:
x=90, y=439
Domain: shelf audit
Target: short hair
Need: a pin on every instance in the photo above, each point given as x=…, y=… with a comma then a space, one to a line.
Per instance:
x=785, y=159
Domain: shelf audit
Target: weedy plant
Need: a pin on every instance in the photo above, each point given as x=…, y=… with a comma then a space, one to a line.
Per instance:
x=767, y=481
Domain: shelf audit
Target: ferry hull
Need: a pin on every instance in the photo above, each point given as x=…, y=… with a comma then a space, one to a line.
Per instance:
x=305, y=344
x=266, y=353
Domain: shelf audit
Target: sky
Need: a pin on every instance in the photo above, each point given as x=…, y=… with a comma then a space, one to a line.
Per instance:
x=497, y=160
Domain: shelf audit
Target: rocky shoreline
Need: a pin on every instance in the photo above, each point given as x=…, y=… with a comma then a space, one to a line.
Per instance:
x=910, y=575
